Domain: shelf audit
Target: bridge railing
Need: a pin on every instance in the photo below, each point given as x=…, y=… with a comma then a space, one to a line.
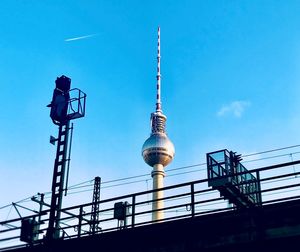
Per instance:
x=277, y=183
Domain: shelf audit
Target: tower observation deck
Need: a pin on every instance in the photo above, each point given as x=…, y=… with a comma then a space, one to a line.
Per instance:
x=158, y=150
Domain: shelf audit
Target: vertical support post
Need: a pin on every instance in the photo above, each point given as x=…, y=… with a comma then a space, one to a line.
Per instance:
x=41, y=207
x=68, y=160
x=133, y=212
x=126, y=205
x=80, y=221
x=193, y=199
x=259, y=188
x=95, y=206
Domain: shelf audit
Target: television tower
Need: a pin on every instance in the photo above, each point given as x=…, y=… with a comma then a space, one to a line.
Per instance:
x=158, y=151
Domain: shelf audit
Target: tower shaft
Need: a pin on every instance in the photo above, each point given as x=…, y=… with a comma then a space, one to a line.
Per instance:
x=158, y=175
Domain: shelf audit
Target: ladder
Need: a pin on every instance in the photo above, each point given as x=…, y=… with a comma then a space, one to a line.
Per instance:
x=61, y=160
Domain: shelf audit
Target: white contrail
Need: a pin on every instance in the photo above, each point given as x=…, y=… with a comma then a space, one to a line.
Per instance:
x=81, y=37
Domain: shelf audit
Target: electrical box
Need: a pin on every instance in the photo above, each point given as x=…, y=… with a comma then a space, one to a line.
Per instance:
x=121, y=210
x=29, y=230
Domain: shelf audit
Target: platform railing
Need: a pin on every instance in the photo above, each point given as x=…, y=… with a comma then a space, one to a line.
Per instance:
x=186, y=200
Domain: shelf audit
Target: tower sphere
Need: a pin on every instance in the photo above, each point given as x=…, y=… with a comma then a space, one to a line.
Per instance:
x=158, y=149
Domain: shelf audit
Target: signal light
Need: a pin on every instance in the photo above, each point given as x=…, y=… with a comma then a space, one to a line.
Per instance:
x=60, y=100
x=63, y=83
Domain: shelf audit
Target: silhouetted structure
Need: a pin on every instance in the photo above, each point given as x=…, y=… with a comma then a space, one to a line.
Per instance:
x=64, y=108
x=232, y=179
x=94, y=226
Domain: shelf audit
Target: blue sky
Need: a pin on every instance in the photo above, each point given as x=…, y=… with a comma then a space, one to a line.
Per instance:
x=230, y=79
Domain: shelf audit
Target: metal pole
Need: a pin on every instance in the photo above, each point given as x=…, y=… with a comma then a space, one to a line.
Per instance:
x=80, y=221
x=133, y=211
x=193, y=199
x=69, y=159
x=259, y=188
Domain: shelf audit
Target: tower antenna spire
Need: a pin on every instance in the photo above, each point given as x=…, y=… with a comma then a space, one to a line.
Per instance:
x=158, y=76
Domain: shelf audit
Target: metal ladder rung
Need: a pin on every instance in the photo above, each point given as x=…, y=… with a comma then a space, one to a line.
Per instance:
x=61, y=142
x=58, y=173
x=57, y=185
x=63, y=132
x=60, y=153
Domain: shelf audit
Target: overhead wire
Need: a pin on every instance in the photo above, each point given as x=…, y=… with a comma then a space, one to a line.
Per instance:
x=81, y=183
x=89, y=182
x=20, y=201
x=184, y=167
x=259, y=159
x=176, y=174
x=272, y=150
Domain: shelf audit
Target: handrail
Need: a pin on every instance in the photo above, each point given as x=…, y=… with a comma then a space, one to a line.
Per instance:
x=189, y=197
